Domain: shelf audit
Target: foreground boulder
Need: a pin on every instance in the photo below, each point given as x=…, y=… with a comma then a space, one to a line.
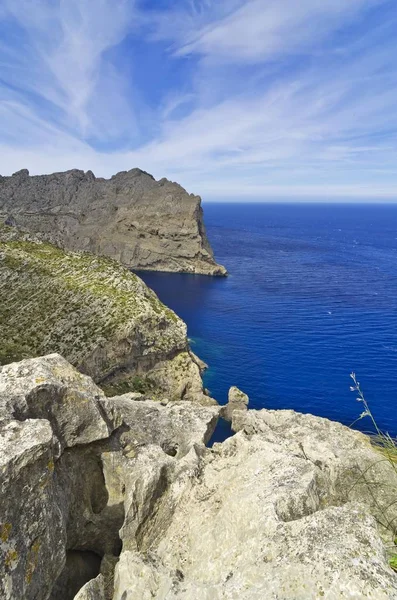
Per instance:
x=291, y=507
x=32, y=536
x=280, y=510
x=101, y=317
x=50, y=388
x=141, y=222
x=73, y=465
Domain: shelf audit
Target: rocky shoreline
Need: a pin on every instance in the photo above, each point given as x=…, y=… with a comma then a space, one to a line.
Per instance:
x=109, y=489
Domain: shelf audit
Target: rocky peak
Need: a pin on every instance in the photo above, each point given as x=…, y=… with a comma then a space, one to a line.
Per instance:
x=143, y=223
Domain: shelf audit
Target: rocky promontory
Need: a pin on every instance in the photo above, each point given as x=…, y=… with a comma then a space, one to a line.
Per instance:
x=141, y=222
x=120, y=499
x=113, y=492
x=97, y=314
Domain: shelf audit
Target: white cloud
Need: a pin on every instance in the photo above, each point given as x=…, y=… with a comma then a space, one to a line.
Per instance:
x=63, y=50
x=324, y=128
x=254, y=30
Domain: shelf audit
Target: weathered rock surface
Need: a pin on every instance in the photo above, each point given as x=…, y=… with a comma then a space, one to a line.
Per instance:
x=292, y=507
x=70, y=470
x=141, y=222
x=98, y=315
x=32, y=537
x=264, y=519
x=174, y=426
x=347, y=467
x=237, y=400
x=50, y=388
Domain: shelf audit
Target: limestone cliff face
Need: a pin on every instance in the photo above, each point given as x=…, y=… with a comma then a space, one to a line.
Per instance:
x=97, y=314
x=141, y=222
x=119, y=499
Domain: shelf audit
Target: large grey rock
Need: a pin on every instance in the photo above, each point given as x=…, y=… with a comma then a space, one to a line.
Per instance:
x=237, y=400
x=174, y=426
x=55, y=518
x=161, y=447
x=347, y=467
x=262, y=518
x=281, y=510
x=141, y=222
x=81, y=474
x=50, y=388
x=32, y=538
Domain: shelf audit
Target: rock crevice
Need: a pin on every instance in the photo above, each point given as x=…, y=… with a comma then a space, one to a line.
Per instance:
x=142, y=509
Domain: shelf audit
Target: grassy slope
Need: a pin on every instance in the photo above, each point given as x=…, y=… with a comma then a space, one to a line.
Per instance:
x=71, y=303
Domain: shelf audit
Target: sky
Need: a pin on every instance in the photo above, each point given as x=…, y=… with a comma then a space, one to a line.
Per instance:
x=234, y=99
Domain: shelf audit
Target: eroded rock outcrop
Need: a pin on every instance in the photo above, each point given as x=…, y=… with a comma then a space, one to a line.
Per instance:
x=291, y=507
x=141, y=222
x=237, y=401
x=79, y=471
x=50, y=388
x=32, y=537
x=101, y=317
x=280, y=510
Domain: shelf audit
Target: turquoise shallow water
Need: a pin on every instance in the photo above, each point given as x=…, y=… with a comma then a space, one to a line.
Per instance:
x=311, y=296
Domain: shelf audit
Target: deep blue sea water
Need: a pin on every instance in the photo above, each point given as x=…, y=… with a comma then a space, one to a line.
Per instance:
x=311, y=296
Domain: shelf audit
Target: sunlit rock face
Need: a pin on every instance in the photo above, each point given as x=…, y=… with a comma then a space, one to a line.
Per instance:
x=119, y=498
x=141, y=222
x=83, y=476
x=279, y=510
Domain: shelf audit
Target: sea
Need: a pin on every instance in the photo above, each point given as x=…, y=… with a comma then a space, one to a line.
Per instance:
x=311, y=297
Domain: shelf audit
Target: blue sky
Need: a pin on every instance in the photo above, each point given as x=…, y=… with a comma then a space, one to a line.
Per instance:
x=253, y=99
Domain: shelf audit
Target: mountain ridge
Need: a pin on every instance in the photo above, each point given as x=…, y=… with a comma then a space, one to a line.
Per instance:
x=143, y=223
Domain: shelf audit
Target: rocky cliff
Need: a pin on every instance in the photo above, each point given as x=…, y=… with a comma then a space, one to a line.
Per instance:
x=108, y=495
x=141, y=222
x=97, y=314
x=119, y=498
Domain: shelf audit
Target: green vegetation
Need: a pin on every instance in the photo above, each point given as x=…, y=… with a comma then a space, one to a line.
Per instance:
x=90, y=309
x=387, y=448
x=393, y=560
x=140, y=384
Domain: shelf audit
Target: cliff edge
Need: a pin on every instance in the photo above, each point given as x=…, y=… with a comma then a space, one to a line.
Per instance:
x=119, y=499
x=143, y=223
x=96, y=313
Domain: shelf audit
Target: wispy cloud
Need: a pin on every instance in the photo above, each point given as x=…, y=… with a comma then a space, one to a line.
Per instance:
x=58, y=53
x=262, y=98
x=256, y=30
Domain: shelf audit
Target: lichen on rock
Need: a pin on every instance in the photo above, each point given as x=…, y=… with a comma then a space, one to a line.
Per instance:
x=71, y=471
